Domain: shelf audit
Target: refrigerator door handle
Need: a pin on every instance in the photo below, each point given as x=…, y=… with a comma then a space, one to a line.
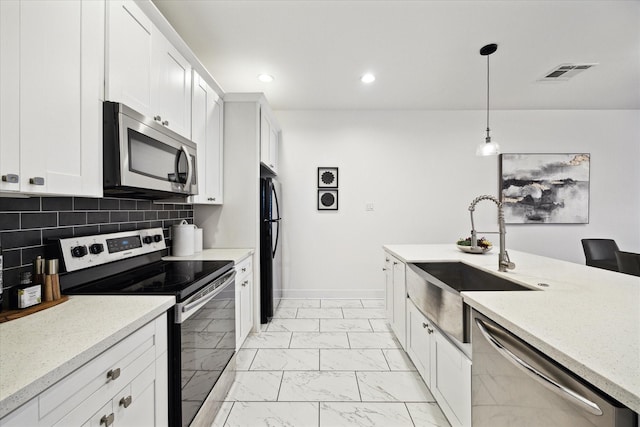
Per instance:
x=275, y=198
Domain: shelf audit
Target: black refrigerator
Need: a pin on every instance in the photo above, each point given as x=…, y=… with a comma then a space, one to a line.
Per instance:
x=270, y=250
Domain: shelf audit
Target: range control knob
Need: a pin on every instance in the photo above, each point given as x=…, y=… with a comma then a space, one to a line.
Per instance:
x=147, y=240
x=96, y=248
x=157, y=238
x=78, y=251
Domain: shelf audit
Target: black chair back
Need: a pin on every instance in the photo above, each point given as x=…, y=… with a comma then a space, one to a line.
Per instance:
x=601, y=253
x=628, y=262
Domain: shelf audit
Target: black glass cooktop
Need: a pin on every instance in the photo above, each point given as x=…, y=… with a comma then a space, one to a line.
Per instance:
x=179, y=278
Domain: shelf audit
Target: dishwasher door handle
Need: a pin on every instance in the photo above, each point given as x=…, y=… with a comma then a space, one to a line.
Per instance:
x=538, y=376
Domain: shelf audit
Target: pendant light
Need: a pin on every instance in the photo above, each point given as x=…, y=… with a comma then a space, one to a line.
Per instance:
x=488, y=148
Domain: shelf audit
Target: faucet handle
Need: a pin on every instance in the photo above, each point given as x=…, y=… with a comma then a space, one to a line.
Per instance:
x=506, y=262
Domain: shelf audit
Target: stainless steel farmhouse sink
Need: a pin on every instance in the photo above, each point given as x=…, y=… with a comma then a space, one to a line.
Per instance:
x=435, y=288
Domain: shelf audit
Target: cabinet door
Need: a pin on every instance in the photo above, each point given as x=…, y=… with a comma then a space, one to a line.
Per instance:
x=246, y=310
x=451, y=380
x=128, y=78
x=170, y=86
x=61, y=108
x=214, y=161
x=10, y=99
x=206, y=131
x=265, y=138
x=419, y=333
x=399, y=301
x=388, y=287
x=134, y=406
x=274, y=144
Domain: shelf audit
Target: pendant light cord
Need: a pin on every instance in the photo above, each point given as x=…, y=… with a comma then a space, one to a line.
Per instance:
x=488, y=94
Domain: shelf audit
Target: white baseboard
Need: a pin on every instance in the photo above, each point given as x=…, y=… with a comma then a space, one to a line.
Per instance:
x=333, y=293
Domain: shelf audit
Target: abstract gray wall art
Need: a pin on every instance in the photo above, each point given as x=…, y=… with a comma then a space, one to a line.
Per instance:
x=545, y=188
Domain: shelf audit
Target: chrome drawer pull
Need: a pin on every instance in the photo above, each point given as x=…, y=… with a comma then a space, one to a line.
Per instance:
x=36, y=180
x=245, y=283
x=125, y=401
x=244, y=269
x=424, y=325
x=107, y=420
x=113, y=374
x=10, y=177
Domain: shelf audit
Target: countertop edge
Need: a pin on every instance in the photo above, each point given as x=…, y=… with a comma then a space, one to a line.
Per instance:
x=215, y=254
x=23, y=395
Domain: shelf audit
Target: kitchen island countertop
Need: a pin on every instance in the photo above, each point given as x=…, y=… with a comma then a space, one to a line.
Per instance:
x=587, y=319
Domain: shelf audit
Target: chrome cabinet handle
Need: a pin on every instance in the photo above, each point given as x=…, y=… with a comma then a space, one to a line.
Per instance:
x=113, y=374
x=395, y=262
x=157, y=118
x=12, y=178
x=430, y=331
x=538, y=376
x=245, y=283
x=244, y=269
x=384, y=269
x=107, y=420
x=386, y=259
x=36, y=180
x=165, y=123
x=125, y=401
x=424, y=325
x=211, y=199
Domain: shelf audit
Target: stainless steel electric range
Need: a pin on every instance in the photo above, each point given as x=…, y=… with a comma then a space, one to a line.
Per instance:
x=201, y=326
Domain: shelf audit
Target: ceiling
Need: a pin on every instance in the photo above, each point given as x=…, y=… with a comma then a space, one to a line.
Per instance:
x=425, y=54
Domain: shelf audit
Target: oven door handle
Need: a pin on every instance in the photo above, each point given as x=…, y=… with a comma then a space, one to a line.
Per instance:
x=188, y=307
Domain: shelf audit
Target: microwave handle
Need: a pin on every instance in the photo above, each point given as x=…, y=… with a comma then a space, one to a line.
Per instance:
x=187, y=183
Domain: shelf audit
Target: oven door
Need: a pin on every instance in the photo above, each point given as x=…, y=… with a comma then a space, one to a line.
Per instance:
x=204, y=347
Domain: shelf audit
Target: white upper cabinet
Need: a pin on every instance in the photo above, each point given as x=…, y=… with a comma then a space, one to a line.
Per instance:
x=52, y=56
x=269, y=141
x=129, y=56
x=206, y=131
x=171, y=86
x=144, y=70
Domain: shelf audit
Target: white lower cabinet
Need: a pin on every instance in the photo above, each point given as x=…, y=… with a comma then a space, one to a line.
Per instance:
x=124, y=386
x=396, y=296
x=419, y=339
x=244, y=299
x=445, y=369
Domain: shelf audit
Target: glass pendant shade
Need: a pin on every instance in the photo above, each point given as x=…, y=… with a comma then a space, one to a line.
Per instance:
x=488, y=149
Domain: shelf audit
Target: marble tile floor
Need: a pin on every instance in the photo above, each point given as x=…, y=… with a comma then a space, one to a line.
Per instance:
x=327, y=363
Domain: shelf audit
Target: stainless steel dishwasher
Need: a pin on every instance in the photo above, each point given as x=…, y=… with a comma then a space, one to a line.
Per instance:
x=512, y=384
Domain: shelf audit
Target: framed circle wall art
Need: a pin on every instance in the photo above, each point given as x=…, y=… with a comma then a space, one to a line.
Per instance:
x=327, y=200
x=327, y=177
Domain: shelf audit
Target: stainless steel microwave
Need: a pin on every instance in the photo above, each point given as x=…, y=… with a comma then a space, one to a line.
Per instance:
x=144, y=159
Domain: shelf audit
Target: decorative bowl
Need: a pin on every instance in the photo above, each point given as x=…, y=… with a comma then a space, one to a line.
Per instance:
x=476, y=250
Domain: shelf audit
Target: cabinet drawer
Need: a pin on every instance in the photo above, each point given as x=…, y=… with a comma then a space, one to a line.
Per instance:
x=244, y=268
x=124, y=360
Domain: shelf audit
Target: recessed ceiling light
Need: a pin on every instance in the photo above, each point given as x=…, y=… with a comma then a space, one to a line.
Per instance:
x=265, y=78
x=368, y=78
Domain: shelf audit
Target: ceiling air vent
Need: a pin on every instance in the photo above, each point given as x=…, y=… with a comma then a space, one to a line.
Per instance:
x=564, y=72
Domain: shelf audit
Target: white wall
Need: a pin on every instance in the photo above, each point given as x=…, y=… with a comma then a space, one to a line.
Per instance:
x=420, y=171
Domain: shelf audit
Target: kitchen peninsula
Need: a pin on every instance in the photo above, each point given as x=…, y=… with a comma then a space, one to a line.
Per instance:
x=586, y=319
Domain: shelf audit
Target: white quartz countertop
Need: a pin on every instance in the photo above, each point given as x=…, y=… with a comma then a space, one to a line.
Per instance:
x=587, y=319
x=38, y=350
x=235, y=255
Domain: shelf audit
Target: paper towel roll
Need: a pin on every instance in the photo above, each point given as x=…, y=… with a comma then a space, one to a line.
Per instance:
x=183, y=236
x=197, y=240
